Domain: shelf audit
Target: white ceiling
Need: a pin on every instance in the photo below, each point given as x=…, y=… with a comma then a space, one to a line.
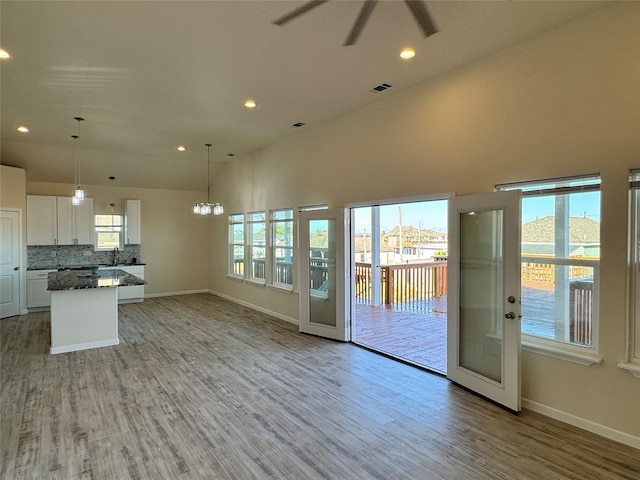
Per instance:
x=149, y=76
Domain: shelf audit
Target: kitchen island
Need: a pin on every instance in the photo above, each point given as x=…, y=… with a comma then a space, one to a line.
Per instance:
x=84, y=308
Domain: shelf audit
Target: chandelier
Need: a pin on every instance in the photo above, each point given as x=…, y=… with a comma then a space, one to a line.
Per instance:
x=207, y=208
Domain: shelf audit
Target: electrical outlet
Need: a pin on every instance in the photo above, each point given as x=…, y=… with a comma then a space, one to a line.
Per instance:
x=54, y=254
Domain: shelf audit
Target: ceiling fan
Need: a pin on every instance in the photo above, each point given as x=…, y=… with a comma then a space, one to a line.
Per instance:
x=418, y=9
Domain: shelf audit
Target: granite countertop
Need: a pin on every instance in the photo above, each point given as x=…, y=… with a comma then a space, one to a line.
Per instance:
x=80, y=279
x=82, y=267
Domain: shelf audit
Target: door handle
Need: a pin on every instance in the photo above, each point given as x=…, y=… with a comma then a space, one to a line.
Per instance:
x=510, y=315
x=16, y=268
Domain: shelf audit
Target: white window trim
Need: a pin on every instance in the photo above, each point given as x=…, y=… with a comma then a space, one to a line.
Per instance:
x=249, y=244
x=230, y=263
x=632, y=356
x=563, y=351
x=281, y=287
x=582, y=355
x=285, y=287
x=96, y=228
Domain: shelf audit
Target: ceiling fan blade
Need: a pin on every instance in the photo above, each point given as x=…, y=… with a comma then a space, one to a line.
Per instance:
x=421, y=14
x=298, y=11
x=360, y=22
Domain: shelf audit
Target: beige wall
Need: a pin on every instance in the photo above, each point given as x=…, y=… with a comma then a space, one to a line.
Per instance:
x=175, y=243
x=564, y=103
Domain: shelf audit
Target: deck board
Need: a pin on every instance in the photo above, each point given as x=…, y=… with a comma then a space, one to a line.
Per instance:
x=417, y=331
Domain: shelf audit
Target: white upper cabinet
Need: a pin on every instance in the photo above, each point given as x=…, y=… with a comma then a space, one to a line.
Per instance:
x=84, y=222
x=133, y=233
x=65, y=221
x=42, y=222
x=55, y=221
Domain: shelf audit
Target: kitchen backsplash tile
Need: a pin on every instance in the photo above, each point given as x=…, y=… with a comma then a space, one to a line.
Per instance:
x=73, y=255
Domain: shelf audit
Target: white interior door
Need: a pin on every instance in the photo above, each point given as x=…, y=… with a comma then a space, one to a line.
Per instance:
x=9, y=263
x=483, y=313
x=324, y=275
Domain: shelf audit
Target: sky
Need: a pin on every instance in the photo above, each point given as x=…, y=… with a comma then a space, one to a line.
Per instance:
x=432, y=215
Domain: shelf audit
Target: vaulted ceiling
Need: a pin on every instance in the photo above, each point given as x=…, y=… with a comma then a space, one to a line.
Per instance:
x=150, y=76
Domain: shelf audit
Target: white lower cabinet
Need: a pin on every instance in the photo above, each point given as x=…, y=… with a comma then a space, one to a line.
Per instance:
x=134, y=293
x=38, y=297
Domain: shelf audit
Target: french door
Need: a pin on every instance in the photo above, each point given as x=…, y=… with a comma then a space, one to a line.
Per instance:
x=483, y=313
x=324, y=276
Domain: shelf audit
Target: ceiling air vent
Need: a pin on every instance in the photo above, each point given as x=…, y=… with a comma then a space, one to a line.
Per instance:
x=380, y=88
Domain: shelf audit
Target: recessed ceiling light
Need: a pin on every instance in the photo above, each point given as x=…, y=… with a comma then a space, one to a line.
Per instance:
x=407, y=53
x=298, y=124
x=4, y=55
x=181, y=148
x=23, y=129
x=231, y=154
x=111, y=177
x=250, y=103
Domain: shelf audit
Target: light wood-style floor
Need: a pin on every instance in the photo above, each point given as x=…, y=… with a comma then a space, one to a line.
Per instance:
x=201, y=388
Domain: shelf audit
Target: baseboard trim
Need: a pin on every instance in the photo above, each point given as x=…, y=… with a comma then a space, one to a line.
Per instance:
x=582, y=423
x=170, y=294
x=84, y=346
x=255, y=307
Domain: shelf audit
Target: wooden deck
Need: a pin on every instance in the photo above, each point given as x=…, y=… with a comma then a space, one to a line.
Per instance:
x=416, y=332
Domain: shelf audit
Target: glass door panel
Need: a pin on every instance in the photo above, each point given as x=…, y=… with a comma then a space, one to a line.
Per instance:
x=483, y=319
x=323, y=309
x=322, y=274
x=481, y=264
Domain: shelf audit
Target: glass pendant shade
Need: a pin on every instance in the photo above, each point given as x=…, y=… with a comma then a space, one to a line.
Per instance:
x=75, y=201
x=205, y=209
x=79, y=193
x=196, y=208
x=218, y=209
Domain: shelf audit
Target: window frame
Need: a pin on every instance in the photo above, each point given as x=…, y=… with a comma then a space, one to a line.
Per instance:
x=234, y=220
x=274, y=222
x=253, y=219
x=632, y=360
x=565, y=350
x=100, y=228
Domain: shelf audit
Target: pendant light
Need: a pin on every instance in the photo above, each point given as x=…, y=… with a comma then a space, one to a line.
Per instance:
x=205, y=208
x=79, y=192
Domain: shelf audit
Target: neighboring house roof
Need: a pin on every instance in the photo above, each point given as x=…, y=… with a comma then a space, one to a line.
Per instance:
x=412, y=232
x=361, y=243
x=582, y=231
x=548, y=249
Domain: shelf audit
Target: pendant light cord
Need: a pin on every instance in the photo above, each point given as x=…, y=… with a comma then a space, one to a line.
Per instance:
x=77, y=163
x=208, y=173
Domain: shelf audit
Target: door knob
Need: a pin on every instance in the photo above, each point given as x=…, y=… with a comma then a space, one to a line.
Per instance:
x=16, y=268
x=510, y=315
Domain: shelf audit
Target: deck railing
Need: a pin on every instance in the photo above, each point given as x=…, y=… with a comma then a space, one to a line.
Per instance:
x=283, y=272
x=580, y=310
x=402, y=283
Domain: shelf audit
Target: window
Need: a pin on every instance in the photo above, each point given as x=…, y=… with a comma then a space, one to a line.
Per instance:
x=109, y=231
x=236, y=245
x=256, y=243
x=282, y=246
x=633, y=356
x=560, y=255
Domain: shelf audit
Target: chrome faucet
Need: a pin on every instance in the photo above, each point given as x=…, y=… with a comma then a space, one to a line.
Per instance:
x=115, y=256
